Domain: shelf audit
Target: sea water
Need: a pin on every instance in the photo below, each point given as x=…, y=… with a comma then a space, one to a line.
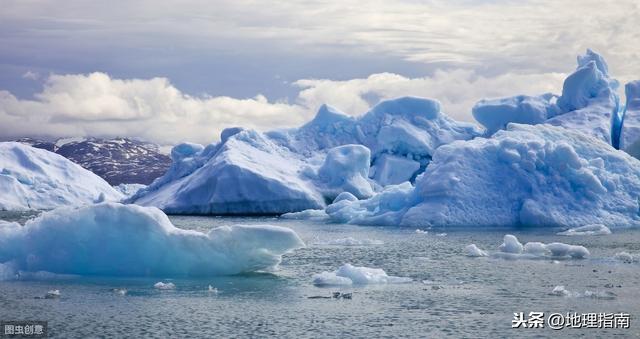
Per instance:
x=450, y=295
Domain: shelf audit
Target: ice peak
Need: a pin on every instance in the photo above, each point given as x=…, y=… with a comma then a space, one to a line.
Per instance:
x=408, y=106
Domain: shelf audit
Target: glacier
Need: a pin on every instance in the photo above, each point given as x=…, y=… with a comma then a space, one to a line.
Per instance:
x=303, y=168
x=36, y=179
x=112, y=239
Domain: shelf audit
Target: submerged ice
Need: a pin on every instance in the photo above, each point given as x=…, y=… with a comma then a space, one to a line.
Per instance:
x=111, y=239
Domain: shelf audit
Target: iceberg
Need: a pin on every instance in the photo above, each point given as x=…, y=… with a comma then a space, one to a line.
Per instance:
x=36, y=179
x=596, y=229
x=111, y=239
x=588, y=103
x=348, y=274
x=529, y=175
x=473, y=251
x=303, y=168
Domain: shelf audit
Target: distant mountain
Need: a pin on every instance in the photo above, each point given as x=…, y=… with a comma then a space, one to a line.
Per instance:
x=117, y=161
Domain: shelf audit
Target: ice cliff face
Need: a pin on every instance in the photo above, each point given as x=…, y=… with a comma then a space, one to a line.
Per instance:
x=304, y=168
x=32, y=178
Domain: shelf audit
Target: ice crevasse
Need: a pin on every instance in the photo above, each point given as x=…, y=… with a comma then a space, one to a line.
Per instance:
x=112, y=239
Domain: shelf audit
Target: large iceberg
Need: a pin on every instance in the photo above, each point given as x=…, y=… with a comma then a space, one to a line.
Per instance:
x=588, y=103
x=32, y=178
x=538, y=175
x=112, y=239
x=305, y=168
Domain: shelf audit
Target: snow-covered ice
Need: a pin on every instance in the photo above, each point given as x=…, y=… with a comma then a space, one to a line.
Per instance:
x=33, y=178
x=595, y=229
x=112, y=239
x=348, y=274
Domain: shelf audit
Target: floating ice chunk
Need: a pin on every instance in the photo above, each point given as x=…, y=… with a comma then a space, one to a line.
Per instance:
x=624, y=256
x=558, y=249
x=119, y=291
x=33, y=178
x=511, y=248
x=419, y=231
x=52, y=294
x=473, y=251
x=348, y=274
x=511, y=245
x=128, y=240
x=164, y=286
x=212, y=290
x=306, y=215
x=441, y=234
x=595, y=229
x=561, y=291
x=350, y=241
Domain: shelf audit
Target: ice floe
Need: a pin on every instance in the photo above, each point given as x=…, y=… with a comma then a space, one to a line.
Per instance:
x=348, y=274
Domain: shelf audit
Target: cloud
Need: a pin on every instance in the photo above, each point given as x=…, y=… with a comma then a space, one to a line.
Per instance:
x=31, y=75
x=96, y=104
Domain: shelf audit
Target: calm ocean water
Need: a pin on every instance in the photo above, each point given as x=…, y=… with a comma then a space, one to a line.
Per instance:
x=451, y=294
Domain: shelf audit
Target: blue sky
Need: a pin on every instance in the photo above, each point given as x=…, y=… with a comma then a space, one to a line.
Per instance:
x=184, y=70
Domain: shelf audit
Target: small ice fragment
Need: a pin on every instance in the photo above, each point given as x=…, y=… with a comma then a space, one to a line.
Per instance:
x=348, y=274
x=419, y=231
x=473, y=251
x=164, y=286
x=212, y=289
x=594, y=229
x=624, y=256
x=119, y=291
x=560, y=291
x=441, y=235
x=52, y=294
x=511, y=245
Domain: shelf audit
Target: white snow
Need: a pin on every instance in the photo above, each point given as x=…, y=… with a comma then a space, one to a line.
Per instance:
x=473, y=251
x=112, y=239
x=32, y=178
x=348, y=274
x=164, y=286
x=595, y=229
